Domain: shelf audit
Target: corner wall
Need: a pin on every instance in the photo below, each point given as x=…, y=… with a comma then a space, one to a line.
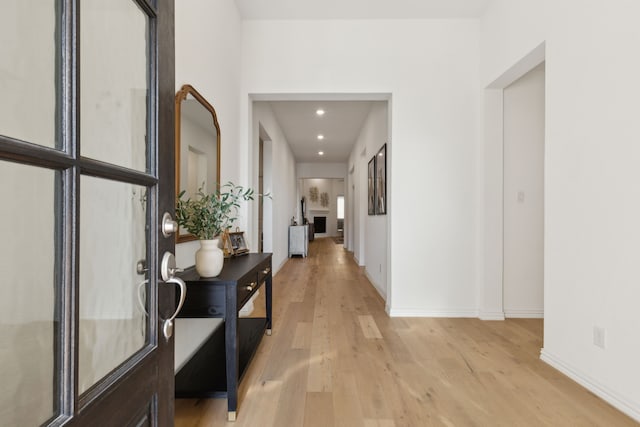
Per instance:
x=592, y=204
x=282, y=180
x=207, y=57
x=371, y=249
x=434, y=124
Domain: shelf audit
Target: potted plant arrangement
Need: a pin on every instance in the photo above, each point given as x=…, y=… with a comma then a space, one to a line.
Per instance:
x=207, y=216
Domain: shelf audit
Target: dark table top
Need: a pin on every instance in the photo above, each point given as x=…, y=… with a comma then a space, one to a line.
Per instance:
x=234, y=268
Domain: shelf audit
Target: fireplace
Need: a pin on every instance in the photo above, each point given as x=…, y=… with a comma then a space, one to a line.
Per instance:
x=320, y=224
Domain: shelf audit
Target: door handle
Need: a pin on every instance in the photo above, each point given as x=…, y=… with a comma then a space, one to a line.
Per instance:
x=141, y=298
x=168, y=267
x=167, y=325
x=168, y=270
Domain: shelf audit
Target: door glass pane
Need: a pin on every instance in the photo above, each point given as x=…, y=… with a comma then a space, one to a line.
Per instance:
x=28, y=70
x=28, y=327
x=114, y=82
x=113, y=238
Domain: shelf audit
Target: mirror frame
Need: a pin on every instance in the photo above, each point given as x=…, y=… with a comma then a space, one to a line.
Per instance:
x=182, y=95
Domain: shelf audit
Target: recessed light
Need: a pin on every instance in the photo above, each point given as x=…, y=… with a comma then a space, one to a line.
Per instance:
x=321, y=137
x=320, y=112
x=321, y=153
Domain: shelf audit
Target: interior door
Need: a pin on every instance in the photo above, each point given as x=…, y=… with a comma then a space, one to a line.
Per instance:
x=86, y=173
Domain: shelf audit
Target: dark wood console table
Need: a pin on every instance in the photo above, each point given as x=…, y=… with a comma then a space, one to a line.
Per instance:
x=212, y=372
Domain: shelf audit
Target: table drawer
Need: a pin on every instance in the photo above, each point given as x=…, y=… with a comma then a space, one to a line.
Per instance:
x=264, y=270
x=250, y=283
x=246, y=288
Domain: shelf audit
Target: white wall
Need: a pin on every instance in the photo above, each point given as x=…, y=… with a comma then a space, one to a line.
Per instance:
x=333, y=187
x=371, y=248
x=207, y=37
x=316, y=170
x=434, y=125
x=207, y=57
x=591, y=173
x=321, y=170
x=524, y=196
x=267, y=182
x=281, y=183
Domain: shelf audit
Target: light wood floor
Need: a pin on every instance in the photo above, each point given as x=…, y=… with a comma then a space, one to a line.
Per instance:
x=336, y=359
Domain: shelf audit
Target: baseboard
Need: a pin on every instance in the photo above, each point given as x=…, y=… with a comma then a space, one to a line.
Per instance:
x=394, y=312
x=524, y=314
x=377, y=287
x=274, y=271
x=609, y=396
x=490, y=315
x=355, y=258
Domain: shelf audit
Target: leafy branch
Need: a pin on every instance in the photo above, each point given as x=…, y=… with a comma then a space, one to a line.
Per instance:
x=208, y=215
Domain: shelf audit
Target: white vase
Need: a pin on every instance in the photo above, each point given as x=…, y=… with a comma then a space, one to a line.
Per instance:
x=209, y=258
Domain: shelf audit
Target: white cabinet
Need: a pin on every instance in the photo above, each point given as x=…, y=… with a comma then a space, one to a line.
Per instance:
x=298, y=240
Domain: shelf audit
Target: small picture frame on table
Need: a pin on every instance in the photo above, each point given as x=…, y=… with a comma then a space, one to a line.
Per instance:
x=238, y=243
x=227, y=250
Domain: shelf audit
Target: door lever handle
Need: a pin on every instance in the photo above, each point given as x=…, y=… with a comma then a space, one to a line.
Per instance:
x=167, y=325
x=141, y=297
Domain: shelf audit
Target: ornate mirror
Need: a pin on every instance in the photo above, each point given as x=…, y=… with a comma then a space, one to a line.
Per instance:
x=197, y=147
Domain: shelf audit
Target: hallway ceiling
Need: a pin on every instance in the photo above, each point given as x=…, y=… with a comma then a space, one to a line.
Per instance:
x=340, y=126
x=361, y=9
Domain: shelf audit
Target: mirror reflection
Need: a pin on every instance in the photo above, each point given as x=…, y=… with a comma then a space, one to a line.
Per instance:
x=197, y=147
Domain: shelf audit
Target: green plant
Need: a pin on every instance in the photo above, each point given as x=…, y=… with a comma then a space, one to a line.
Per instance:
x=208, y=215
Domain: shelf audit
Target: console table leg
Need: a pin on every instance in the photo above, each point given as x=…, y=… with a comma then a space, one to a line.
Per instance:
x=231, y=415
x=269, y=301
x=268, y=332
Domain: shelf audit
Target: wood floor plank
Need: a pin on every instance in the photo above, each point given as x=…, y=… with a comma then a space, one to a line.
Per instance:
x=318, y=411
x=337, y=359
x=302, y=335
x=369, y=327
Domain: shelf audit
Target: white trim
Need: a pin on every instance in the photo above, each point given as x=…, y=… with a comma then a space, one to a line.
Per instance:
x=376, y=286
x=394, y=312
x=523, y=66
x=486, y=315
x=524, y=314
x=355, y=258
x=278, y=268
x=606, y=394
x=351, y=96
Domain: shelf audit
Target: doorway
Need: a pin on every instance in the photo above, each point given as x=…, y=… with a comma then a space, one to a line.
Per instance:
x=265, y=186
x=523, y=195
x=260, y=200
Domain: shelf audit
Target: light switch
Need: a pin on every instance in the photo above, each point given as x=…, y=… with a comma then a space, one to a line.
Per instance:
x=520, y=196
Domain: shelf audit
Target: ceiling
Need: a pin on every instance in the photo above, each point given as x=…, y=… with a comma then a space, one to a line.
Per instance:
x=340, y=126
x=361, y=9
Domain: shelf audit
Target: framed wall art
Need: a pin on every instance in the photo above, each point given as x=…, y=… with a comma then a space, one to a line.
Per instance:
x=371, y=195
x=381, y=181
